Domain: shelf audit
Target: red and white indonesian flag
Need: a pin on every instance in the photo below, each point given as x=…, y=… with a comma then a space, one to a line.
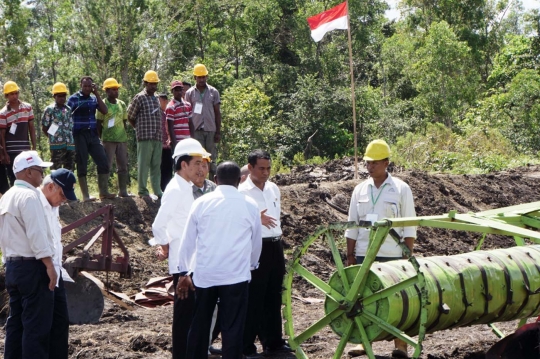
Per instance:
x=332, y=19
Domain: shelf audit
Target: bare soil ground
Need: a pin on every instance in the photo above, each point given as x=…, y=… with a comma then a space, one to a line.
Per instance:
x=145, y=333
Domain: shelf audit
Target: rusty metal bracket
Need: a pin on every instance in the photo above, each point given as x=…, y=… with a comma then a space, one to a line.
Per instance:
x=103, y=261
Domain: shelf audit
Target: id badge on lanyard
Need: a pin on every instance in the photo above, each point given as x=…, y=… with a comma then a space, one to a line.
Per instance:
x=198, y=108
x=52, y=129
x=372, y=217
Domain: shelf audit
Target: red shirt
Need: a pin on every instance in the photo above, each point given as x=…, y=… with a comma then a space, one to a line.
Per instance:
x=179, y=112
x=17, y=141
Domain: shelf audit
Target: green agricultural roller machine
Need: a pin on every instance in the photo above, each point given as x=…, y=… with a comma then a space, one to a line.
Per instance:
x=409, y=298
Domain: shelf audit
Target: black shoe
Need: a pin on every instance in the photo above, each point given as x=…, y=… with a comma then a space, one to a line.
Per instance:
x=278, y=350
x=213, y=350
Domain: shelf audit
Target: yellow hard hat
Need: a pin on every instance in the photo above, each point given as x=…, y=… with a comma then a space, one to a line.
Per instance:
x=59, y=88
x=10, y=87
x=377, y=150
x=151, y=76
x=112, y=83
x=200, y=70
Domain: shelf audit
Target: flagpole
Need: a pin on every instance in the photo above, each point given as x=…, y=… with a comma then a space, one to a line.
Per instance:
x=352, y=94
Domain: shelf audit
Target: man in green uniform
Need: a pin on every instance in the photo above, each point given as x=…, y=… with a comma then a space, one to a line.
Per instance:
x=112, y=131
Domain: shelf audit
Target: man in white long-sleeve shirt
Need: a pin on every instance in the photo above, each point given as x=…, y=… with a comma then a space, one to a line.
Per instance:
x=221, y=245
x=169, y=225
x=57, y=188
x=28, y=250
x=380, y=196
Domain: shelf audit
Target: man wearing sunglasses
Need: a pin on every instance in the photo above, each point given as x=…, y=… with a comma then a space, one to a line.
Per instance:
x=58, y=125
x=28, y=251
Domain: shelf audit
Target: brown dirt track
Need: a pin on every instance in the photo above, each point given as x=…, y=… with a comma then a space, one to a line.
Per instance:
x=145, y=333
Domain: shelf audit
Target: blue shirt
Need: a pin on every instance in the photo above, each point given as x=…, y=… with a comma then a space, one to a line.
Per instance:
x=83, y=112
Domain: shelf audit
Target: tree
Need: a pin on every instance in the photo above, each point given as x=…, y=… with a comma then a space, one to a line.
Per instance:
x=515, y=110
x=443, y=75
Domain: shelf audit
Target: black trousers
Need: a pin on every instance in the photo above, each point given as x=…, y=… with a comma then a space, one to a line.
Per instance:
x=9, y=168
x=4, y=182
x=87, y=143
x=232, y=308
x=182, y=317
x=31, y=303
x=167, y=165
x=58, y=343
x=264, y=304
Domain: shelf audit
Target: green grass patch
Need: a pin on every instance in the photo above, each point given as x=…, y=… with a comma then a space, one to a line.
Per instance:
x=471, y=150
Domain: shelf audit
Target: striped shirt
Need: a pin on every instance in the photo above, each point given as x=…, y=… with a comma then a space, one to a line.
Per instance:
x=83, y=111
x=16, y=137
x=179, y=112
x=145, y=111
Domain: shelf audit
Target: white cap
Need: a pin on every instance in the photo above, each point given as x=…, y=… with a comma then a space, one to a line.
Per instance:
x=190, y=147
x=27, y=159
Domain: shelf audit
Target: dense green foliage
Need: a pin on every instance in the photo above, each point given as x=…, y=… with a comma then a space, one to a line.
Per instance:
x=466, y=71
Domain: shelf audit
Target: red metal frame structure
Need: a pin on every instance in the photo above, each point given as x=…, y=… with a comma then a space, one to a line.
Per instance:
x=104, y=260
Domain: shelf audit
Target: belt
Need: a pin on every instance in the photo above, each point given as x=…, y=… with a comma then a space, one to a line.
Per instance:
x=16, y=259
x=271, y=239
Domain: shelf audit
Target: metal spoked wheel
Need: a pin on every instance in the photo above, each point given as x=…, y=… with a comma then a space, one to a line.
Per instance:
x=356, y=304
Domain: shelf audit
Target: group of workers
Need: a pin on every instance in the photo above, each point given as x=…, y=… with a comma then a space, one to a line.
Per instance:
x=222, y=240
x=84, y=125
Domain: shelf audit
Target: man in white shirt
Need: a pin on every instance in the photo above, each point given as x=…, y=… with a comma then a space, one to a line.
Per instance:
x=57, y=188
x=28, y=251
x=380, y=196
x=169, y=225
x=220, y=246
x=264, y=304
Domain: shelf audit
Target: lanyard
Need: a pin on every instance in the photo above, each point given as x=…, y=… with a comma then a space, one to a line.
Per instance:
x=201, y=94
x=374, y=201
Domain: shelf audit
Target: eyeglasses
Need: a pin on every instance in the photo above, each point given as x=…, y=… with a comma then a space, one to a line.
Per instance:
x=39, y=169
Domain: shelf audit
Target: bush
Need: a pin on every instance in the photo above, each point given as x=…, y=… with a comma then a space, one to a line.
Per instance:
x=471, y=149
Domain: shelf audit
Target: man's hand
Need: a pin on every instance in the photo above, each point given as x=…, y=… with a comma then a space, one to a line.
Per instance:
x=351, y=260
x=217, y=137
x=185, y=284
x=51, y=272
x=6, y=159
x=267, y=221
x=94, y=89
x=162, y=252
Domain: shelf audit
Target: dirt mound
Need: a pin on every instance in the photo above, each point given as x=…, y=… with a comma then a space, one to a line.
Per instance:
x=311, y=196
x=308, y=189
